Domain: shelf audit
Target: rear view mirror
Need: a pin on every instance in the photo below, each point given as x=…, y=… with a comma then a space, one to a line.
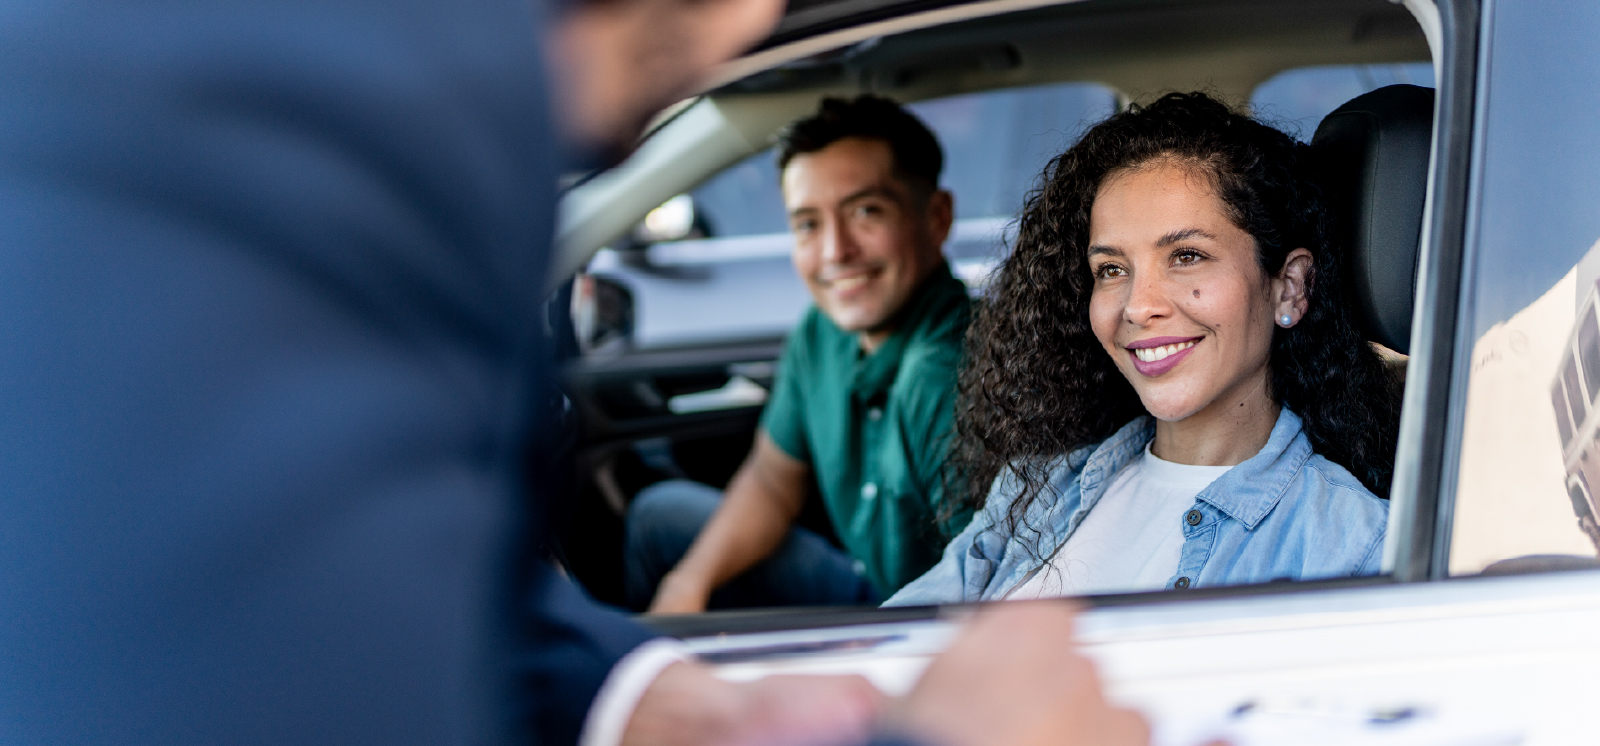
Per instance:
x=602, y=314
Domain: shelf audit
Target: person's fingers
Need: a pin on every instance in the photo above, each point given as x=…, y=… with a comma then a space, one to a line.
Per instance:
x=1126, y=727
x=809, y=710
x=1019, y=622
x=1014, y=677
x=671, y=602
x=679, y=593
x=685, y=706
x=673, y=606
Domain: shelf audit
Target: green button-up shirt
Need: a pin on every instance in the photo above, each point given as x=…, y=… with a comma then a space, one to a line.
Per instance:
x=875, y=429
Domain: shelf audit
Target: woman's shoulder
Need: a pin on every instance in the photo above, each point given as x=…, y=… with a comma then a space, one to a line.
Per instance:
x=1009, y=484
x=1329, y=522
x=1060, y=471
x=1338, y=486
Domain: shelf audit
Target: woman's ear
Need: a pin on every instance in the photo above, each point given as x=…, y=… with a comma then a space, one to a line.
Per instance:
x=1290, y=289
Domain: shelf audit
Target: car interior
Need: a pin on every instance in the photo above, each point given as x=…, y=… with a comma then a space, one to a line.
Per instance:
x=630, y=433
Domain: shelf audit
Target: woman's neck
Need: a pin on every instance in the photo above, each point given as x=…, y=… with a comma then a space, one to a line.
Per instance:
x=1228, y=432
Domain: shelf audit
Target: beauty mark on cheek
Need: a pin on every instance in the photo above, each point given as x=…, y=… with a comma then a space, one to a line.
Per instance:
x=1197, y=293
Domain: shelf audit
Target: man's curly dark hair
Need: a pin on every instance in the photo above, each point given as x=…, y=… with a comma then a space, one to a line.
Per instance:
x=1037, y=383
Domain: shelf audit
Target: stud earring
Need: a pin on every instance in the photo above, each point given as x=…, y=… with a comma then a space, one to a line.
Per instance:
x=1285, y=321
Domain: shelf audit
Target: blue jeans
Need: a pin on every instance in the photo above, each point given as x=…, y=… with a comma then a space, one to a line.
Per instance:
x=805, y=570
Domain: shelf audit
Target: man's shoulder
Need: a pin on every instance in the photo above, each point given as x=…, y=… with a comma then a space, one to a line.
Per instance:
x=939, y=337
x=930, y=369
x=949, y=311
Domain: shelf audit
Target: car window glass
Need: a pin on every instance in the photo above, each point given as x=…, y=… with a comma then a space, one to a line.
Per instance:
x=1296, y=100
x=1529, y=458
x=996, y=143
x=744, y=199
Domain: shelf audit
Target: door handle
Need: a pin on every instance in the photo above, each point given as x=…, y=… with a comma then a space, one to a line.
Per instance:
x=739, y=391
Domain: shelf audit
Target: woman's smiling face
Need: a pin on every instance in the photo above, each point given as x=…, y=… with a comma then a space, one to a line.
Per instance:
x=1180, y=302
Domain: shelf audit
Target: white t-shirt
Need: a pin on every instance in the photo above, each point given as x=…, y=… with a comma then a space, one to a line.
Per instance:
x=1131, y=539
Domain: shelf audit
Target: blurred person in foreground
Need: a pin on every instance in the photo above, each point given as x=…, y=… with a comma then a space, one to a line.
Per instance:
x=865, y=392
x=269, y=301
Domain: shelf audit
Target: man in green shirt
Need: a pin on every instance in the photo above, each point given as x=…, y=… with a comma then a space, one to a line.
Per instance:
x=864, y=398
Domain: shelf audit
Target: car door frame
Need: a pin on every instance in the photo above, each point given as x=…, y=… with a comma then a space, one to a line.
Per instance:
x=1426, y=461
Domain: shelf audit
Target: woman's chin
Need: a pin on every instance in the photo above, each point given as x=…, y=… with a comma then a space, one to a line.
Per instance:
x=1169, y=411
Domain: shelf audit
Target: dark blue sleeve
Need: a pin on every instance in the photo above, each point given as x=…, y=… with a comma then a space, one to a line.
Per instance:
x=270, y=276
x=579, y=643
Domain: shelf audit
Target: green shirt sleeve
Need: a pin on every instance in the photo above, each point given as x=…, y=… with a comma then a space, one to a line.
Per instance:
x=783, y=420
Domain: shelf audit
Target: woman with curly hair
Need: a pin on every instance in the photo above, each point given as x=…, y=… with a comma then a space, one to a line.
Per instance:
x=1165, y=388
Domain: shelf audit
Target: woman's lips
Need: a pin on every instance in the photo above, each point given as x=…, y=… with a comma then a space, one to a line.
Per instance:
x=1157, y=356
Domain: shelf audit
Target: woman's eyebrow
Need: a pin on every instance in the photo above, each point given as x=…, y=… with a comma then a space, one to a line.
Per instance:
x=1183, y=234
x=1103, y=250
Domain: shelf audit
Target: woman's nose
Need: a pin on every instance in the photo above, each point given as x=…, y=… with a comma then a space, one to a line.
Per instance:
x=1147, y=300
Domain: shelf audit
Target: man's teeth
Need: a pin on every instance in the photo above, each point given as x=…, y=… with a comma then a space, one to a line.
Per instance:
x=1152, y=354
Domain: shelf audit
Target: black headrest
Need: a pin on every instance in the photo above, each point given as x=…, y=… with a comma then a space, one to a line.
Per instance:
x=1374, y=151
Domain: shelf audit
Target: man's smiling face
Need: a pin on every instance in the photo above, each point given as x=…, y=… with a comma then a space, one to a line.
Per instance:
x=864, y=238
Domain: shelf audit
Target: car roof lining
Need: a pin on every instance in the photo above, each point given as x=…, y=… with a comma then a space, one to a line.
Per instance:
x=1140, y=48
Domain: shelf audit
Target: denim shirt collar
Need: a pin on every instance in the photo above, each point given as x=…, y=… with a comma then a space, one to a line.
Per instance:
x=1246, y=493
x=1249, y=491
x=1283, y=513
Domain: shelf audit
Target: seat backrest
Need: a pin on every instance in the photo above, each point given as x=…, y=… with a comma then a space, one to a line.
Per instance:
x=1374, y=150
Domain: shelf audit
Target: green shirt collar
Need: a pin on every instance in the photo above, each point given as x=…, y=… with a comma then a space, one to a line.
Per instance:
x=874, y=373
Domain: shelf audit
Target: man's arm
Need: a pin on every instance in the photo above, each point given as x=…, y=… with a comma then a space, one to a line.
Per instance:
x=761, y=502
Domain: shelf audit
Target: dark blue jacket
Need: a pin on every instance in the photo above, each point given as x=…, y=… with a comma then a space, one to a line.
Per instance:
x=269, y=280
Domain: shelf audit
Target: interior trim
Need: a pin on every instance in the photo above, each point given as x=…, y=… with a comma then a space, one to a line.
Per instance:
x=1421, y=495
x=767, y=59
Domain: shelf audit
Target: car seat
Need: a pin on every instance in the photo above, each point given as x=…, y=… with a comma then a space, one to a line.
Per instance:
x=1374, y=153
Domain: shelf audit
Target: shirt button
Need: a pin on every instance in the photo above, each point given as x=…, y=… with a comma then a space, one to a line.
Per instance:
x=1181, y=583
x=1192, y=517
x=875, y=414
x=869, y=491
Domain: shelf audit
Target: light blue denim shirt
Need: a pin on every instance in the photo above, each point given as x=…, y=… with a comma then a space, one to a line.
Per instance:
x=1284, y=513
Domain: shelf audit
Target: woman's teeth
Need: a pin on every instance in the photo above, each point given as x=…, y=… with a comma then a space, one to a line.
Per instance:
x=1152, y=354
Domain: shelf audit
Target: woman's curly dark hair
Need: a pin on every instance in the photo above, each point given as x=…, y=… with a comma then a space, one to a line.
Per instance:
x=1037, y=383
